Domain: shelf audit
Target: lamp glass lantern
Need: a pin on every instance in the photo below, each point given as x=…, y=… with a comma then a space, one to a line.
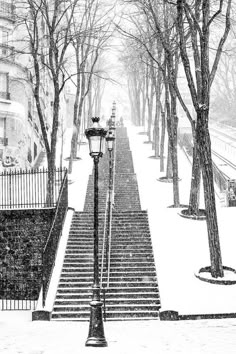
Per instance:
x=96, y=137
x=113, y=109
x=110, y=139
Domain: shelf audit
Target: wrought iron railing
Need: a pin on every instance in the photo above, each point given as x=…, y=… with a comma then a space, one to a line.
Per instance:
x=28, y=189
x=220, y=178
x=50, y=249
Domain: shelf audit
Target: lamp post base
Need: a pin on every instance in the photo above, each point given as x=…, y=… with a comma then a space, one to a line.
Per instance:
x=96, y=337
x=96, y=342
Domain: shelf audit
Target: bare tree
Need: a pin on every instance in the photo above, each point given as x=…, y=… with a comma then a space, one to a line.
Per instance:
x=47, y=36
x=93, y=29
x=197, y=17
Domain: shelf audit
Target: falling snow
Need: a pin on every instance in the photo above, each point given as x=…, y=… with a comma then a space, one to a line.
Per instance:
x=180, y=249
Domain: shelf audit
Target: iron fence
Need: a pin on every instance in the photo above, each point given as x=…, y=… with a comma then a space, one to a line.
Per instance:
x=21, y=259
x=220, y=178
x=28, y=189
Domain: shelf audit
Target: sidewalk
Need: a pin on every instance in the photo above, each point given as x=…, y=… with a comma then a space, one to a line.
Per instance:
x=150, y=337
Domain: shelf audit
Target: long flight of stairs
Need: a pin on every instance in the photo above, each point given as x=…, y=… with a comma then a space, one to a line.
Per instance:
x=133, y=289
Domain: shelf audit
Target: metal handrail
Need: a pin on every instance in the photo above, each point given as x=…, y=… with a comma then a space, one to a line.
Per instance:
x=51, y=246
x=220, y=178
x=110, y=220
x=104, y=241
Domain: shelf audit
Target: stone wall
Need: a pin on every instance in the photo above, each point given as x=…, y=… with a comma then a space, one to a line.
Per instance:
x=23, y=234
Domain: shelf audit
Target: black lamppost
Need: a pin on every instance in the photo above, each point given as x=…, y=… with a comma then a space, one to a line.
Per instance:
x=110, y=139
x=96, y=338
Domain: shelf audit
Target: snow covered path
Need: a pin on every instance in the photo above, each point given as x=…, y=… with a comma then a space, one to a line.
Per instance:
x=151, y=337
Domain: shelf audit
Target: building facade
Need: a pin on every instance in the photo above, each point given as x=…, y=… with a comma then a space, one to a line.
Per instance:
x=21, y=141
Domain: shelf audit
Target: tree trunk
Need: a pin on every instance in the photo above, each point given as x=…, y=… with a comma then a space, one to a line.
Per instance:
x=195, y=182
x=156, y=130
x=150, y=109
x=169, y=170
x=174, y=154
x=74, y=144
x=51, y=182
x=172, y=124
x=144, y=101
x=204, y=147
x=162, y=144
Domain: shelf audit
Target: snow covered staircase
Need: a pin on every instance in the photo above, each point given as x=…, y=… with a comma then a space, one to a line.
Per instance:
x=133, y=290
x=75, y=285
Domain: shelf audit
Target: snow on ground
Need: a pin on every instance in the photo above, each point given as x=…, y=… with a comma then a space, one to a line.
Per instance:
x=180, y=248
x=181, y=245
x=150, y=337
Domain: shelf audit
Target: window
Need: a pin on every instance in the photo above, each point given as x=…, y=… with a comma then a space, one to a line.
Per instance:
x=4, y=85
x=6, y=7
x=4, y=41
x=4, y=36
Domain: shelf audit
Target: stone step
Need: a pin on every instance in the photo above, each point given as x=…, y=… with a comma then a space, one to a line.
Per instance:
x=132, y=296
x=76, y=316
x=87, y=256
x=131, y=279
x=129, y=263
x=121, y=315
x=77, y=263
x=134, y=256
x=141, y=314
x=109, y=302
x=76, y=273
x=126, y=252
x=109, y=308
x=119, y=284
x=134, y=267
x=77, y=260
x=111, y=290
x=124, y=272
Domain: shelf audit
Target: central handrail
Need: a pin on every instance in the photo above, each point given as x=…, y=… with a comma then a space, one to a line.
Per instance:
x=110, y=219
x=104, y=241
x=106, y=246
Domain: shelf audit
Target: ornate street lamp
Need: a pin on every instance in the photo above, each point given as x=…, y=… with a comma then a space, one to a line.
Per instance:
x=96, y=338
